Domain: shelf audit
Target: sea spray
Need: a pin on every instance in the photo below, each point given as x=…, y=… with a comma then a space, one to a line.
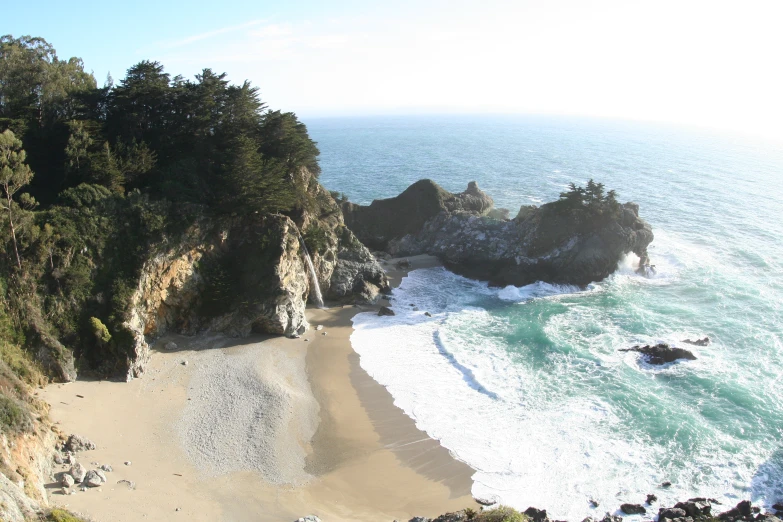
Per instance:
x=319, y=300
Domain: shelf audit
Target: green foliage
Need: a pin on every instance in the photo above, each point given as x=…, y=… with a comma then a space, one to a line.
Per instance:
x=120, y=171
x=13, y=416
x=316, y=239
x=339, y=197
x=99, y=330
x=61, y=515
x=590, y=198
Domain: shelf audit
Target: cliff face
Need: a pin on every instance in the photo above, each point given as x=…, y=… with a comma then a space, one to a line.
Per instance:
x=249, y=275
x=550, y=243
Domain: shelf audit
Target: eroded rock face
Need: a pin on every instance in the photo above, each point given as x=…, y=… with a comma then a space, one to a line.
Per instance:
x=548, y=243
x=357, y=273
x=268, y=285
x=387, y=219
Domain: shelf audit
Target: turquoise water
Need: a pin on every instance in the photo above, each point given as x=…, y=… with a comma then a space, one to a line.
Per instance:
x=527, y=384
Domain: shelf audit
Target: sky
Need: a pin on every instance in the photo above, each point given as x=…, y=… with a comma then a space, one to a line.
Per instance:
x=713, y=64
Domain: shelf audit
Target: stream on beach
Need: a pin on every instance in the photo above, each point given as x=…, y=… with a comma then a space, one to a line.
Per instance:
x=527, y=384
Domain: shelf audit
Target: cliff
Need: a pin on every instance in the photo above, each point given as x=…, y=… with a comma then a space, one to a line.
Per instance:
x=556, y=243
x=247, y=275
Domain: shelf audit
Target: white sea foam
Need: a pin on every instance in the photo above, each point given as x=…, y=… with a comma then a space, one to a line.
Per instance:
x=531, y=432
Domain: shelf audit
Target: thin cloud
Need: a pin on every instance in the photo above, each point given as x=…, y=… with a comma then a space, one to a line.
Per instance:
x=210, y=34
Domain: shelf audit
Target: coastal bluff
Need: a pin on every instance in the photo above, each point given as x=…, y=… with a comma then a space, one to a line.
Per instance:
x=558, y=242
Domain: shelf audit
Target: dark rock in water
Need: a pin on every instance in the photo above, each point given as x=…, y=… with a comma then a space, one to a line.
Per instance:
x=553, y=243
x=698, y=342
x=743, y=509
x=594, y=503
x=661, y=353
x=703, y=499
x=651, y=498
x=666, y=484
x=611, y=518
x=485, y=501
x=403, y=264
x=428, y=314
x=633, y=509
x=385, y=310
x=536, y=515
x=778, y=506
x=670, y=514
x=695, y=509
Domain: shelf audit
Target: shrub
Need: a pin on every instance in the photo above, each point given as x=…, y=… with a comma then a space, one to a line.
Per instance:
x=99, y=330
x=60, y=515
x=13, y=417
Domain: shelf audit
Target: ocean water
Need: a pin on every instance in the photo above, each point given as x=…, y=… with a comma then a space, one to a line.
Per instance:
x=527, y=384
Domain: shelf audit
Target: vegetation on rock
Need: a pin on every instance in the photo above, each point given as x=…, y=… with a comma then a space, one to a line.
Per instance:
x=120, y=171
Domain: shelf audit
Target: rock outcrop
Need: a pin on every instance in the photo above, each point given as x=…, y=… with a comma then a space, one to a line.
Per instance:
x=552, y=243
x=386, y=219
x=661, y=353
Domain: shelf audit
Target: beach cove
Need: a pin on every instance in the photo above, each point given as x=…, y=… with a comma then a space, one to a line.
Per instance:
x=311, y=433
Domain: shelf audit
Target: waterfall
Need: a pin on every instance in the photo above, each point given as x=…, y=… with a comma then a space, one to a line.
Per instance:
x=319, y=300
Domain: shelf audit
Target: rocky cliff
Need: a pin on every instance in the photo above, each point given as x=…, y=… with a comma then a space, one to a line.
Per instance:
x=247, y=275
x=552, y=243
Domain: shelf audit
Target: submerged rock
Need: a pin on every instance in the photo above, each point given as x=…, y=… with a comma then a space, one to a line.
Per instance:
x=698, y=342
x=661, y=353
x=385, y=310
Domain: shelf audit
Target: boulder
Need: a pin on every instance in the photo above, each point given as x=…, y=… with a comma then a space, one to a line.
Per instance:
x=651, y=498
x=695, y=509
x=385, y=310
x=611, y=518
x=698, y=342
x=661, y=353
x=633, y=509
x=670, y=513
x=309, y=518
x=78, y=471
x=536, y=515
x=93, y=479
x=741, y=510
x=171, y=346
x=67, y=480
x=78, y=443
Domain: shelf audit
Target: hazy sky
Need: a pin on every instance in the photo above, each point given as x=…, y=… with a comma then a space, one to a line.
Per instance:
x=710, y=63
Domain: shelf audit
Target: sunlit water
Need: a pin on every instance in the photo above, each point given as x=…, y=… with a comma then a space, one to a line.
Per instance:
x=527, y=384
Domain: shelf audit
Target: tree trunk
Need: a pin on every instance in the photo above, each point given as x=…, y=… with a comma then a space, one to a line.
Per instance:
x=13, y=231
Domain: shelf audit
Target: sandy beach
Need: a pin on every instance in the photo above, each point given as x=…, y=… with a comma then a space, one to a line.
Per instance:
x=263, y=428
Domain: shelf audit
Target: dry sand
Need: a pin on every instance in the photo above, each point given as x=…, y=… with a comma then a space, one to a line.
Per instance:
x=258, y=429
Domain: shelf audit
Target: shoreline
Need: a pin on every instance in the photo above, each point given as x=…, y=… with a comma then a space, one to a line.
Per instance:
x=365, y=461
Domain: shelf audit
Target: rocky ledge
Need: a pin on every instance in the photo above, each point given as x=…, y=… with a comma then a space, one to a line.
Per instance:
x=692, y=510
x=559, y=242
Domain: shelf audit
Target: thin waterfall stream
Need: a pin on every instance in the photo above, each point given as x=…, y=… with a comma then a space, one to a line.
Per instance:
x=319, y=300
